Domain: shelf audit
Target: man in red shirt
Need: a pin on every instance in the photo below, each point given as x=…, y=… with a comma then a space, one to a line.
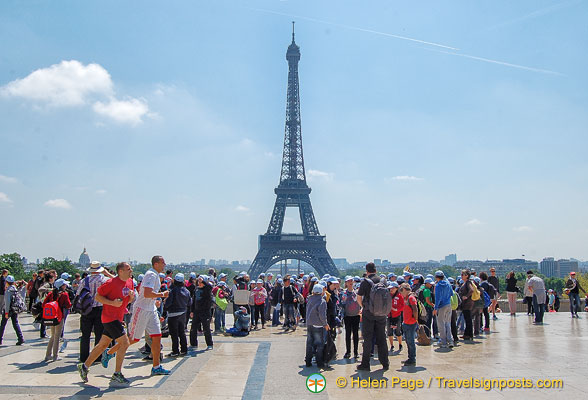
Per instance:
x=114, y=294
x=409, y=326
x=395, y=316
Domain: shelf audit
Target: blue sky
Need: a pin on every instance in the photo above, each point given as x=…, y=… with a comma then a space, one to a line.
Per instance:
x=144, y=127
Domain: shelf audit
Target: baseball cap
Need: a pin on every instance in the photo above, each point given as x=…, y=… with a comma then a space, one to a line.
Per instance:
x=65, y=276
x=332, y=279
x=179, y=277
x=429, y=280
x=348, y=278
x=400, y=280
x=259, y=281
x=393, y=284
x=317, y=289
x=161, y=275
x=60, y=282
x=477, y=279
x=280, y=280
x=391, y=275
x=262, y=275
x=314, y=279
x=10, y=279
x=140, y=277
x=222, y=275
x=439, y=274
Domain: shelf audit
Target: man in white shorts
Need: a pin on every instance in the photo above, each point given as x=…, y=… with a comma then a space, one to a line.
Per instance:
x=145, y=316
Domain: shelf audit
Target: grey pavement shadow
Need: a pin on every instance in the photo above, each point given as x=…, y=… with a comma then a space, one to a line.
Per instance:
x=411, y=369
x=442, y=350
x=375, y=374
x=63, y=369
x=30, y=366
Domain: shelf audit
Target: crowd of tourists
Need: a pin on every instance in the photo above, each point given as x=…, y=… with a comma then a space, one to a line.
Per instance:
x=121, y=309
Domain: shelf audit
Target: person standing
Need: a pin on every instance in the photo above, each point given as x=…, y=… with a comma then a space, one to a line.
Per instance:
x=493, y=280
x=372, y=326
x=410, y=325
x=573, y=289
x=92, y=322
x=351, y=317
x=511, y=292
x=528, y=296
x=289, y=302
x=316, y=326
x=443, y=293
x=395, y=316
x=59, y=295
x=177, y=305
x=3, y=276
x=259, y=296
x=268, y=285
x=114, y=295
x=276, y=301
x=537, y=289
x=201, y=306
x=145, y=314
x=31, y=294
x=10, y=296
x=467, y=304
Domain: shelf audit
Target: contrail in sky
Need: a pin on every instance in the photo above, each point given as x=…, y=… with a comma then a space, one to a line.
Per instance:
x=453, y=52
x=537, y=13
x=355, y=28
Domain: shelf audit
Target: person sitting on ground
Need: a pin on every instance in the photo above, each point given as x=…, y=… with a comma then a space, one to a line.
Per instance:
x=242, y=323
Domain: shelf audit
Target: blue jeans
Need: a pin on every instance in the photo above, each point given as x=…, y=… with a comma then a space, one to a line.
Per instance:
x=276, y=317
x=289, y=315
x=539, y=309
x=219, y=319
x=410, y=335
x=574, y=302
x=315, y=344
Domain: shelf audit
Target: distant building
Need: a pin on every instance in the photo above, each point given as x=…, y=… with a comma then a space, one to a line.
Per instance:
x=84, y=259
x=548, y=267
x=565, y=267
x=341, y=263
x=377, y=262
x=450, y=260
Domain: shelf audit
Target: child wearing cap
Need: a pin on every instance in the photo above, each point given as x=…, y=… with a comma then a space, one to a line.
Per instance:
x=59, y=295
x=7, y=311
x=177, y=305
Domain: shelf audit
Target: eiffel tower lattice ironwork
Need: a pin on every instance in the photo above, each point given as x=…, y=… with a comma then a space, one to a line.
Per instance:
x=310, y=246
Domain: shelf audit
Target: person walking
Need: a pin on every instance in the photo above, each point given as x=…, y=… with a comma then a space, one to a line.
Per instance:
x=443, y=293
x=573, y=289
x=145, y=315
x=9, y=310
x=177, y=305
x=114, y=295
x=372, y=326
x=316, y=326
x=511, y=292
x=59, y=295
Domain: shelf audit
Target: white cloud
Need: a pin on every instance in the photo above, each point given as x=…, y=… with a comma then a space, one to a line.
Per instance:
x=73, y=84
x=68, y=83
x=101, y=191
x=405, y=178
x=522, y=229
x=473, y=222
x=314, y=173
x=129, y=111
x=241, y=209
x=4, y=198
x=58, y=203
x=7, y=179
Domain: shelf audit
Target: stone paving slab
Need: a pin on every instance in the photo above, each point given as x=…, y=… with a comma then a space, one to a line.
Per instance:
x=269, y=364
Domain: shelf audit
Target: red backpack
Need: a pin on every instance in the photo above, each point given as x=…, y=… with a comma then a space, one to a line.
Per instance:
x=52, y=314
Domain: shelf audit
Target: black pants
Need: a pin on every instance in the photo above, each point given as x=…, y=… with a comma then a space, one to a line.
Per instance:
x=333, y=325
x=302, y=310
x=177, y=331
x=374, y=327
x=469, y=328
x=351, y=327
x=486, y=318
x=200, y=318
x=454, y=326
x=88, y=324
x=259, y=312
x=14, y=318
x=529, y=305
x=32, y=298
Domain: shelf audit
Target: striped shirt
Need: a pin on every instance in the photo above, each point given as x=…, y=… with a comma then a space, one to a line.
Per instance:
x=94, y=282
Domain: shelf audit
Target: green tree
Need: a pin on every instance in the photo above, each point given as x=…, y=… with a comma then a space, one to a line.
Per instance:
x=60, y=266
x=13, y=263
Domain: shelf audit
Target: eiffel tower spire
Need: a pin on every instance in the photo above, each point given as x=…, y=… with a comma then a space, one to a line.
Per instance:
x=293, y=191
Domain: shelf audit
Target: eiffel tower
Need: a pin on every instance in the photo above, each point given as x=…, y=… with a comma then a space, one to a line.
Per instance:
x=310, y=246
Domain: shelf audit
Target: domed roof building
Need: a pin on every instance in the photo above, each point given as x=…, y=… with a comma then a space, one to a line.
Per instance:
x=84, y=259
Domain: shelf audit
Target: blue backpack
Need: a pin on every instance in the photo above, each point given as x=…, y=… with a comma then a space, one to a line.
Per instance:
x=82, y=303
x=487, y=300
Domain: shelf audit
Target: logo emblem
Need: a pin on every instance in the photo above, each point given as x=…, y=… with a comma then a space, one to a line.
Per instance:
x=316, y=383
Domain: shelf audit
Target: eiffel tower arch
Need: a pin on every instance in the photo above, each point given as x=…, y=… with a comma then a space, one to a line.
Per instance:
x=293, y=191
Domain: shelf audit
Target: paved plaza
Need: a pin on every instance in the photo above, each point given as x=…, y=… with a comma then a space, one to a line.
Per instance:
x=269, y=364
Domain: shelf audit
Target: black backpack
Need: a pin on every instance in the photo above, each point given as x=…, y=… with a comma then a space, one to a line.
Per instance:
x=330, y=350
x=83, y=302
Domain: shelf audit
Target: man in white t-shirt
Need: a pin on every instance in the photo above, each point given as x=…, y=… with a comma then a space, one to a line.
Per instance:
x=145, y=316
